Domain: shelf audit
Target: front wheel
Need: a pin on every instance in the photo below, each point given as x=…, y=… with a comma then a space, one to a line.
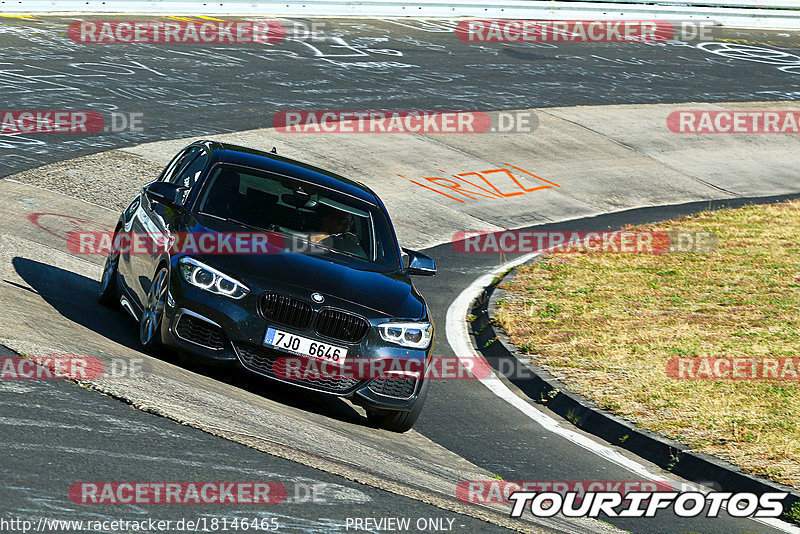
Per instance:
x=150, y=322
x=108, y=295
x=397, y=421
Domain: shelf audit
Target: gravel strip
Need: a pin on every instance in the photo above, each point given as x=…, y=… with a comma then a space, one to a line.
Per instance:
x=109, y=179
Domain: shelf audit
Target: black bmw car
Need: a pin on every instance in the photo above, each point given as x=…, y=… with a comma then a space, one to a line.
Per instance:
x=329, y=285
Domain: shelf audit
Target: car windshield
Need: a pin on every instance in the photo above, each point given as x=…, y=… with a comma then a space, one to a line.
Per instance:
x=306, y=212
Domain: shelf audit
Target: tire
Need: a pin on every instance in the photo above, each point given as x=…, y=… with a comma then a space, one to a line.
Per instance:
x=153, y=313
x=108, y=294
x=397, y=421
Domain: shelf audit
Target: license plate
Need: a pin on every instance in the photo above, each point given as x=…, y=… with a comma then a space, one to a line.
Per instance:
x=288, y=342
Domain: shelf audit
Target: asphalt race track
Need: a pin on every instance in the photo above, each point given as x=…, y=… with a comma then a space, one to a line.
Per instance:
x=56, y=433
x=187, y=90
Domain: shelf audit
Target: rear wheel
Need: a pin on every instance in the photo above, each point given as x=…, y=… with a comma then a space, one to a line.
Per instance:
x=150, y=322
x=108, y=294
x=398, y=421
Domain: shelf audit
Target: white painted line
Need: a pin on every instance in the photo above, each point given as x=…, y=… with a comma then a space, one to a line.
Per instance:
x=458, y=338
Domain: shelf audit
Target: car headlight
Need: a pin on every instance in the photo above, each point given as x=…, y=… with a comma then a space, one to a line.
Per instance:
x=411, y=335
x=201, y=275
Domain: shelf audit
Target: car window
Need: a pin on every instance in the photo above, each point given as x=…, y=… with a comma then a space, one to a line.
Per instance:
x=334, y=221
x=173, y=166
x=190, y=168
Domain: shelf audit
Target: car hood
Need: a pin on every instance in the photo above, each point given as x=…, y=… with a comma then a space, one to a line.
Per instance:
x=390, y=293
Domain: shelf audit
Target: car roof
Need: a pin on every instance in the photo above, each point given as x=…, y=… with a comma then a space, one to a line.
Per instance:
x=272, y=162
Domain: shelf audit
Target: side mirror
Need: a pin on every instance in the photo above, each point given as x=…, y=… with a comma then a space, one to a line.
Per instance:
x=419, y=263
x=166, y=193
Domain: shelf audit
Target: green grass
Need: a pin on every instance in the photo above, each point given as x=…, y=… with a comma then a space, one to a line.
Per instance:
x=608, y=323
x=793, y=513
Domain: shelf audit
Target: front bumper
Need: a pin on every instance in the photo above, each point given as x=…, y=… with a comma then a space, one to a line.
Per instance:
x=225, y=330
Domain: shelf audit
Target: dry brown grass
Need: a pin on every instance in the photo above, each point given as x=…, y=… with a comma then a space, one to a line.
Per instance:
x=606, y=324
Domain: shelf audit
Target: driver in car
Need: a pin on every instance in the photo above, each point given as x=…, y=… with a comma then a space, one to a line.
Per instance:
x=335, y=232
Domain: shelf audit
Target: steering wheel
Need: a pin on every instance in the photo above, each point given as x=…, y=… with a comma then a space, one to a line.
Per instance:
x=348, y=235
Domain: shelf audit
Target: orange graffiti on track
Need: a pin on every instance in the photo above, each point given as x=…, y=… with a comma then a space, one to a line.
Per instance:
x=493, y=184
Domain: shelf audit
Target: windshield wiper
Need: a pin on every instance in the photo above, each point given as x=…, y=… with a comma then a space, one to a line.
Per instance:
x=231, y=220
x=269, y=228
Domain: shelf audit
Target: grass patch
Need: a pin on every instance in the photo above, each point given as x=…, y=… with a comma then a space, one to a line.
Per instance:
x=608, y=323
x=794, y=512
